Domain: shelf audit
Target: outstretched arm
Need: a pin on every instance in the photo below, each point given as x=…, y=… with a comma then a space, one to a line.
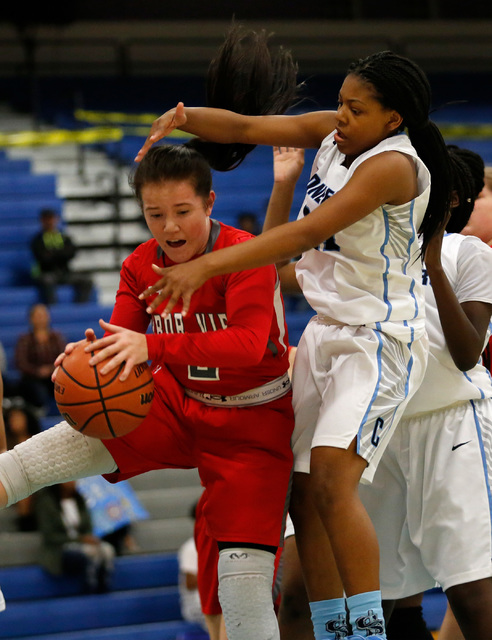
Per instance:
x=385, y=178
x=219, y=125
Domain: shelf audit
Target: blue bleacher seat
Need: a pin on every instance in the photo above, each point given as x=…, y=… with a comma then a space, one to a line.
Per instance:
x=27, y=185
x=20, y=165
x=145, y=597
x=28, y=208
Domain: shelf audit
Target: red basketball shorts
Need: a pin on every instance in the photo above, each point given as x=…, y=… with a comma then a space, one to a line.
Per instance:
x=208, y=558
x=243, y=456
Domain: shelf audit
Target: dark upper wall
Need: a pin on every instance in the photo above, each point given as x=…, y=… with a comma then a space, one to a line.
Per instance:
x=59, y=13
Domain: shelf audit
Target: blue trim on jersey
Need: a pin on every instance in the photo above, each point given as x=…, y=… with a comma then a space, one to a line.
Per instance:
x=376, y=387
x=387, y=260
x=484, y=457
x=479, y=389
x=410, y=244
x=410, y=362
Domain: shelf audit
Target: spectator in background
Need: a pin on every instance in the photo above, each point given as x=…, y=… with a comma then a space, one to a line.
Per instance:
x=480, y=222
x=3, y=447
x=69, y=545
x=248, y=221
x=53, y=250
x=189, y=597
x=21, y=424
x=35, y=354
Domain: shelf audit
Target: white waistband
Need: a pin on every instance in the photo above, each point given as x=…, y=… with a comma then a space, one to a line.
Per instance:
x=266, y=393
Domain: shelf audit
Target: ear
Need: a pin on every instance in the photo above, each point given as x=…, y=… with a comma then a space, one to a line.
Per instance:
x=209, y=203
x=455, y=201
x=394, y=120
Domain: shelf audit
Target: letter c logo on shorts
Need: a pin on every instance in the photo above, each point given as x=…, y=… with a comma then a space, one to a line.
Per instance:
x=375, y=434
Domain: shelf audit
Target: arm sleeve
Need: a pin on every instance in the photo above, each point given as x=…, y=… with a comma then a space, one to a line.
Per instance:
x=129, y=311
x=249, y=303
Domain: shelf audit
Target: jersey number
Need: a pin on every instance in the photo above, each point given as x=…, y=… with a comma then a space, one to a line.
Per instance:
x=203, y=373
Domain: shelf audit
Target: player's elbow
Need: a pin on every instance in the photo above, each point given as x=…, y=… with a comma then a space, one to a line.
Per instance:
x=466, y=361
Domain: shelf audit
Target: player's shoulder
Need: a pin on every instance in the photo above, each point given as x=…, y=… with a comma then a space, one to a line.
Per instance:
x=229, y=235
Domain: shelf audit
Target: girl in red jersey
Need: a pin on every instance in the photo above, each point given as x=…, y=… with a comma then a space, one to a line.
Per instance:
x=222, y=392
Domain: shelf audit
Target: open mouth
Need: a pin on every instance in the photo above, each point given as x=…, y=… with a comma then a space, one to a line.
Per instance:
x=176, y=243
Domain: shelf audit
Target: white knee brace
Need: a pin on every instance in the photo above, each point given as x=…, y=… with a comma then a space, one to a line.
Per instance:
x=245, y=594
x=56, y=455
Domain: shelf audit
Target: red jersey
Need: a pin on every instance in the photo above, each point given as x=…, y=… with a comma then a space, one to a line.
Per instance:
x=234, y=337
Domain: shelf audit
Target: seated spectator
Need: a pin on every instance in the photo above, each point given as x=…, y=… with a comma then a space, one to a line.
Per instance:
x=35, y=354
x=21, y=424
x=69, y=545
x=9, y=384
x=53, y=250
x=3, y=447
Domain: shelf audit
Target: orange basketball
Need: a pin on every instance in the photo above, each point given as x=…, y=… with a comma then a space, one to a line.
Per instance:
x=102, y=406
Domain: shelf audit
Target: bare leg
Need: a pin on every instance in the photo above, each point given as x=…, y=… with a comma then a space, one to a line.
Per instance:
x=294, y=616
x=319, y=569
x=450, y=629
x=471, y=604
x=214, y=624
x=335, y=475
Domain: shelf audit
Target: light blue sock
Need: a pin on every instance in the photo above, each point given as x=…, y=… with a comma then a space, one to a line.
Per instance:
x=329, y=619
x=366, y=614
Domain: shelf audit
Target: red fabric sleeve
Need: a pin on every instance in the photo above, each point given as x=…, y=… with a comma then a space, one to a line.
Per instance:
x=129, y=311
x=249, y=295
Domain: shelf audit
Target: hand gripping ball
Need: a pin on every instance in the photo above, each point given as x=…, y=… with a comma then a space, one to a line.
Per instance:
x=102, y=406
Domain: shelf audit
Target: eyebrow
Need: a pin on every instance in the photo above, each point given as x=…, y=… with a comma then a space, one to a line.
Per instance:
x=350, y=99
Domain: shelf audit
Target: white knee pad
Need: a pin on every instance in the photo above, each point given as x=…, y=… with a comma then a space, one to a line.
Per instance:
x=245, y=594
x=56, y=455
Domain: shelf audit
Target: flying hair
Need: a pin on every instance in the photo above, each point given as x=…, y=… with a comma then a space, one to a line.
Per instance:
x=249, y=77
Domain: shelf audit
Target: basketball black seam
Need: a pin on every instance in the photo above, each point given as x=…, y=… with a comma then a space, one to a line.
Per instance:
x=103, y=404
x=116, y=395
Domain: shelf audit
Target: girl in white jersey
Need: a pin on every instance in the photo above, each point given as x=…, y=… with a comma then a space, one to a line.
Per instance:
x=431, y=496
x=364, y=353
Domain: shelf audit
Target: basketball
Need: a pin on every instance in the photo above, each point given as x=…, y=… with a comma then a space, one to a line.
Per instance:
x=102, y=406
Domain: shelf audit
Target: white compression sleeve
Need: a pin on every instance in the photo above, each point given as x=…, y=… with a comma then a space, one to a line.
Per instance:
x=245, y=594
x=58, y=454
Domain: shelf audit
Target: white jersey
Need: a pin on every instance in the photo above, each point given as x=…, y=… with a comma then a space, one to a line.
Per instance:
x=369, y=273
x=467, y=263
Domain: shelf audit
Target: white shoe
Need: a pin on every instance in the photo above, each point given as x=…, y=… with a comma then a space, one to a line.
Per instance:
x=2, y=601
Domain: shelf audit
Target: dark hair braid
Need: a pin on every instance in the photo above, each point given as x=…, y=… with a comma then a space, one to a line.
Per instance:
x=468, y=180
x=248, y=78
x=400, y=84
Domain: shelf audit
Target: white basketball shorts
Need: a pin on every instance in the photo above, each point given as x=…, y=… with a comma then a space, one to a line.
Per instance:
x=430, y=501
x=351, y=382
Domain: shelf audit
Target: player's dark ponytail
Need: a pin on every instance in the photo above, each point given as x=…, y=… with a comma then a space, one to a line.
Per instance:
x=400, y=84
x=250, y=78
x=468, y=180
